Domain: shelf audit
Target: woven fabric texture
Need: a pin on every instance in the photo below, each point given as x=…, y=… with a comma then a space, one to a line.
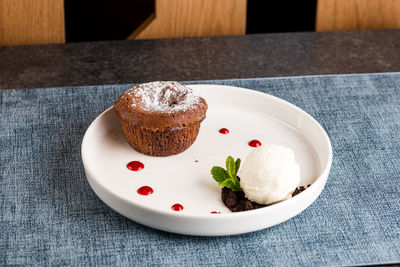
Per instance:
x=50, y=216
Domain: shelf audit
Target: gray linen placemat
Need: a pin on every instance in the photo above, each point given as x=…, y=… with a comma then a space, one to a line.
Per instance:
x=50, y=215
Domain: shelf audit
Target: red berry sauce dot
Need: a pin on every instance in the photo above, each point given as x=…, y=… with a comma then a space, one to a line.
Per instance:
x=215, y=212
x=223, y=131
x=135, y=166
x=177, y=207
x=145, y=190
x=254, y=143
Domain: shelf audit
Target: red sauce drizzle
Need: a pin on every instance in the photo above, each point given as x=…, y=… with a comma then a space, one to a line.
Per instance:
x=177, y=207
x=224, y=131
x=254, y=143
x=135, y=166
x=145, y=190
x=215, y=212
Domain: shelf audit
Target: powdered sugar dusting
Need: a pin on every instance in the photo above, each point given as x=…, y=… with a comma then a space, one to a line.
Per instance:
x=163, y=96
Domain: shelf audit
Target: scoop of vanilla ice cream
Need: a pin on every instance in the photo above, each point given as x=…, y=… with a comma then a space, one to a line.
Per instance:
x=269, y=174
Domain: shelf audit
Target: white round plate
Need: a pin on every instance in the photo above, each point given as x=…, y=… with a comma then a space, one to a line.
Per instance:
x=185, y=178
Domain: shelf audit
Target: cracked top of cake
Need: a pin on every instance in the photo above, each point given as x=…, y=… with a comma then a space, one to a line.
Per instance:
x=161, y=104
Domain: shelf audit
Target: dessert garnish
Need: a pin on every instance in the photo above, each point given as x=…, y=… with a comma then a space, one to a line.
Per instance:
x=177, y=207
x=268, y=175
x=145, y=190
x=228, y=177
x=255, y=143
x=223, y=131
x=135, y=166
x=299, y=189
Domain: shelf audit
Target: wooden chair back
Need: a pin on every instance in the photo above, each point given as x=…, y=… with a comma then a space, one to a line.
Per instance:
x=24, y=22
x=188, y=18
x=333, y=15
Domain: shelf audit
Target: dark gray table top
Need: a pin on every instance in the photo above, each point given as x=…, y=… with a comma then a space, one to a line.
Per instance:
x=204, y=58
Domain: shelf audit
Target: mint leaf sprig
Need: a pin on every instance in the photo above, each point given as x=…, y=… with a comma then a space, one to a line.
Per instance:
x=228, y=178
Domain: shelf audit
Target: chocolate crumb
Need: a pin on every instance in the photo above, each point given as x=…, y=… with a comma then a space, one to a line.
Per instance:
x=196, y=160
x=236, y=200
x=299, y=189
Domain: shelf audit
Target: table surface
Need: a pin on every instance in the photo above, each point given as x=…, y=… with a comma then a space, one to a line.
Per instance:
x=204, y=58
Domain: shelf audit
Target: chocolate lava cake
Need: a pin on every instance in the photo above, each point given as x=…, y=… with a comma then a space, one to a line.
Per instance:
x=160, y=118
